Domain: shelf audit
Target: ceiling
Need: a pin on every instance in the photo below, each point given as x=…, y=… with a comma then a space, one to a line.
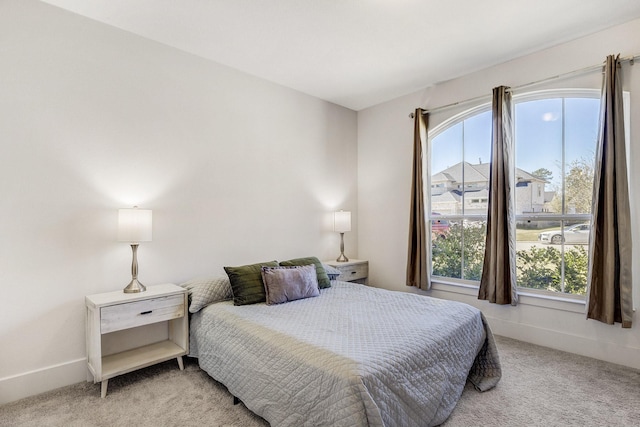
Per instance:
x=358, y=53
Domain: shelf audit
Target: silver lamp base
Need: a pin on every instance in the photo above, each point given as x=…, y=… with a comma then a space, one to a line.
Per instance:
x=342, y=257
x=134, y=286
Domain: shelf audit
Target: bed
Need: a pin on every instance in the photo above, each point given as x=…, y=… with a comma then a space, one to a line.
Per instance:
x=352, y=356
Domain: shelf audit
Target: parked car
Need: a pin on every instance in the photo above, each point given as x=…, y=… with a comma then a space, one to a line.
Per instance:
x=439, y=227
x=575, y=235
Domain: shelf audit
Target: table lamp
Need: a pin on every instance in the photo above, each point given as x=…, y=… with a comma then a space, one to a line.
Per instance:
x=341, y=224
x=134, y=226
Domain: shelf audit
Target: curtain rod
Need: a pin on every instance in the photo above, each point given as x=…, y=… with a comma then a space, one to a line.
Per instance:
x=630, y=59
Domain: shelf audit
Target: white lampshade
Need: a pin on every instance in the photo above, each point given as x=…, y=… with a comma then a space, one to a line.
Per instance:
x=342, y=221
x=135, y=225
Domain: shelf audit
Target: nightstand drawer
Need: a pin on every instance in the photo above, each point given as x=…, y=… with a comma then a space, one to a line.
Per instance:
x=129, y=315
x=353, y=272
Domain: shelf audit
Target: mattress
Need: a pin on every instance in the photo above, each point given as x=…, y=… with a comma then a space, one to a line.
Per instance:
x=353, y=356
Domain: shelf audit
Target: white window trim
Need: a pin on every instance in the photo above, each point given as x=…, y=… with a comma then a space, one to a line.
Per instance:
x=533, y=297
x=478, y=109
x=556, y=93
x=527, y=296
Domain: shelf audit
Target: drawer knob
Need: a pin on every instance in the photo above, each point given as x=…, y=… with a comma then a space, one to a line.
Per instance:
x=146, y=312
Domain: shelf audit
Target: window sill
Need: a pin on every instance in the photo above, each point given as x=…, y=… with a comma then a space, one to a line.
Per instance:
x=525, y=297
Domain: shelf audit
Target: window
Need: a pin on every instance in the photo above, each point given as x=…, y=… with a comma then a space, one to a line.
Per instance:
x=555, y=141
x=556, y=144
x=460, y=157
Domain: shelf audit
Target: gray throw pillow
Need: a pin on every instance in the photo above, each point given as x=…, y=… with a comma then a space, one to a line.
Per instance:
x=284, y=284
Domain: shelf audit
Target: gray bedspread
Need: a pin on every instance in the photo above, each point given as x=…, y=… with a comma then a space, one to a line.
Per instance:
x=354, y=356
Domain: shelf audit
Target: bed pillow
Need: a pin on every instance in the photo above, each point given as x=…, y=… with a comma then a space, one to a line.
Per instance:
x=323, y=279
x=332, y=272
x=284, y=284
x=205, y=291
x=246, y=282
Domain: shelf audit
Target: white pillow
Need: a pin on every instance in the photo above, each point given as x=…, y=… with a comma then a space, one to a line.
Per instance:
x=205, y=291
x=332, y=272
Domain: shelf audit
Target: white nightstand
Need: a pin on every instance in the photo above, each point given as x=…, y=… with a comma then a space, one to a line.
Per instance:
x=354, y=270
x=128, y=313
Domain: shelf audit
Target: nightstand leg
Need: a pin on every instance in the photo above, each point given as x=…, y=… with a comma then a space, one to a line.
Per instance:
x=103, y=388
x=180, y=363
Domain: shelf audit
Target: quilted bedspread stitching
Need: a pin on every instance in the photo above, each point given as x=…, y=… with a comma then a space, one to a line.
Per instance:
x=354, y=356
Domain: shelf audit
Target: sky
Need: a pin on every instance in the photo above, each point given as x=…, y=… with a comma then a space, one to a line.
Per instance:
x=539, y=136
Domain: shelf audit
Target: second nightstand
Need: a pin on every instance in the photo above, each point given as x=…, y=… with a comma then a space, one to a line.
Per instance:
x=355, y=270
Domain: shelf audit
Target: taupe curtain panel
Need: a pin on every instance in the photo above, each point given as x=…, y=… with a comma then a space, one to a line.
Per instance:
x=609, y=280
x=498, y=282
x=418, y=273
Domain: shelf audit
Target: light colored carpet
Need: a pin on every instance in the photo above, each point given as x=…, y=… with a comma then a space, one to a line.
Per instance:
x=540, y=387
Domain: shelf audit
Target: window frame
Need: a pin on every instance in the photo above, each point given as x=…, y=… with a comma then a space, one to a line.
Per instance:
x=446, y=124
x=556, y=299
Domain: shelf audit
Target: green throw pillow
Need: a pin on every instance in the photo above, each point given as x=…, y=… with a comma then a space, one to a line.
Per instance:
x=323, y=278
x=246, y=282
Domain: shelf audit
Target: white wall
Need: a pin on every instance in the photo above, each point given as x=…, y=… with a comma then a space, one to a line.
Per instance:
x=385, y=135
x=237, y=170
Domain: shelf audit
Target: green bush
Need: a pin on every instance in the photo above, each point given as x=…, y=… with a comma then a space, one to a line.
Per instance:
x=541, y=268
x=457, y=243
x=537, y=268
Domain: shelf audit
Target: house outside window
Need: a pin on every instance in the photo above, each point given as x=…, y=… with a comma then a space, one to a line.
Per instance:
x=555, y=141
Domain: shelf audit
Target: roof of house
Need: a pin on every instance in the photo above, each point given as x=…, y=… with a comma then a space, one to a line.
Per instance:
x=475, y=173
x=447, y=197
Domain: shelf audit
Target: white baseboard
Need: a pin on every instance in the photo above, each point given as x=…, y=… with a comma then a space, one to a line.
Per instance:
x=41, y=380
x=617, y=346
x=607, y=351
